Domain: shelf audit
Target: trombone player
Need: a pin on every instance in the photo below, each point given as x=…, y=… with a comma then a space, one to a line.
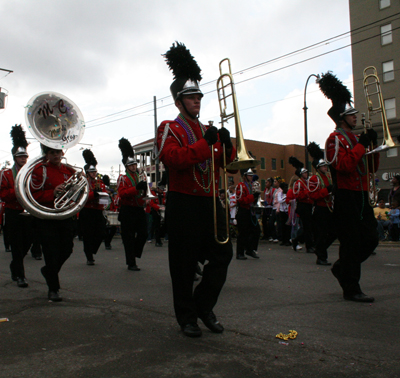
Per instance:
x=354, y=218
x=184, y=147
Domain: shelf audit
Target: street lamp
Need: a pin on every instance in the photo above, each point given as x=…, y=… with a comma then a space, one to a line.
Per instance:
x=305, y=120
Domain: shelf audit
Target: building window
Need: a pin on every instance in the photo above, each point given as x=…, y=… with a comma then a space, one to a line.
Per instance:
x=390, y=107
x=388, y=70
x=262, y=184
x=273, y=164
x=386, y=34
x=282, y=164
x=391, y=152
x=262, y=163
x=384, y=4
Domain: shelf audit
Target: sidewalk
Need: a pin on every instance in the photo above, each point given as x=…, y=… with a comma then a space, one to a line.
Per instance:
x=117, y=323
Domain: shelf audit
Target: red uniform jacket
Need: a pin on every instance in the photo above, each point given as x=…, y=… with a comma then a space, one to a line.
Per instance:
x=7, y=190
x=182, y=159
x=128, y=193
x=318, y=190
x=114, y=205
x=92, y=202
x=45, y=181
x=154, y=203
x=243, y=195
x=301, y=191
x=348, y=163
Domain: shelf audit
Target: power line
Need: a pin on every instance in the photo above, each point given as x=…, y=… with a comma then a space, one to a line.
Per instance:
x=313, y=46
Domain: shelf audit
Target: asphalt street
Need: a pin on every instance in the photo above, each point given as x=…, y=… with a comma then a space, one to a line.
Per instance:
x=118, y=323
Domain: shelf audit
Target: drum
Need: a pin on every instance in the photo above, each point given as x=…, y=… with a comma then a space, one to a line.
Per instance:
x=112, y=218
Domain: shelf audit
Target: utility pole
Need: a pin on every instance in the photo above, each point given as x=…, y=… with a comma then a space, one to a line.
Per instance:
x=157, y=162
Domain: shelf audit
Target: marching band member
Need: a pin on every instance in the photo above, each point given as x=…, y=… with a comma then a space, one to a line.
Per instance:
x=267, y=213
x=185, y=148
x=19, y=227
x=304, y=204
x=132, y=215
x=247, y=223
x=56, y=235
x=92, y=221
x=155, y=214
x=354, y=218
x=321, y=192
x=114, y=207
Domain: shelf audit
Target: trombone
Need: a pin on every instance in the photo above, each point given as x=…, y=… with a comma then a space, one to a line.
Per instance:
x=243, y=160
x=371, y=184
x=373, y=93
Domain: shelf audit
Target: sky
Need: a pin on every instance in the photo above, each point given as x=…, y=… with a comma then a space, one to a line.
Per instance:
x=106, y=56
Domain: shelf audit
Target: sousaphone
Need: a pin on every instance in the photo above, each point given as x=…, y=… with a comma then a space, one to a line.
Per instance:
x=56, y=122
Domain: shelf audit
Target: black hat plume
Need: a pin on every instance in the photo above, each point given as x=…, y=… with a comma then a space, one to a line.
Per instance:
x=185, y=70
x=340, y=96
x=89, y=157
x=18, y=139
x=298, y=165
x=182, y=63
x=317, y=154
x=315, y=151
x=106, y=180
x=334, y=89
x=126, y=150
x=90, y=161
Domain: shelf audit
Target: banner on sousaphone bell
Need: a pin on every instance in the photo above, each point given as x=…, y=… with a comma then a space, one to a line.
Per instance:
x=54, y=120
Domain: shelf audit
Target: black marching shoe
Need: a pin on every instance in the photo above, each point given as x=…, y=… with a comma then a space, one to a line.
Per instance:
x=191, y=330
x=253, y=254
x=54, y=296
x=323, y=262
x=22, y=282
x=359, y=297
x=311, y=250
x=133, y=267
x=210, y=321
x=241, y=257
x=90, y=262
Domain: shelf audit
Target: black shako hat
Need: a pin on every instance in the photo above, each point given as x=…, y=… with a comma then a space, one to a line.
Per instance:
x=340, y=96
x=317, y=154
x=19, y=141
x=185, y=70
x=298, y=165
x=90, y=161
x=128, y=155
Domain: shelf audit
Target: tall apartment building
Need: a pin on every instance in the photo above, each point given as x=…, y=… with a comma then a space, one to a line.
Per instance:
x=375, y=38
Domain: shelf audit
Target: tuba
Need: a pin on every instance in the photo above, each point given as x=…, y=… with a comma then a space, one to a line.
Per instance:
x=56, y=122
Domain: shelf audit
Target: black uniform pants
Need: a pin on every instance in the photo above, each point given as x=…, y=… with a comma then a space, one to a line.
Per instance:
x=110, y=232
x=190, y=227
x=93, y=226
x=56, y=238
x=305, y=212
x=133, y=232
x=249, y=231
x=19, y=228
x=156, y=225
x=357, y=234
x=325, y=233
